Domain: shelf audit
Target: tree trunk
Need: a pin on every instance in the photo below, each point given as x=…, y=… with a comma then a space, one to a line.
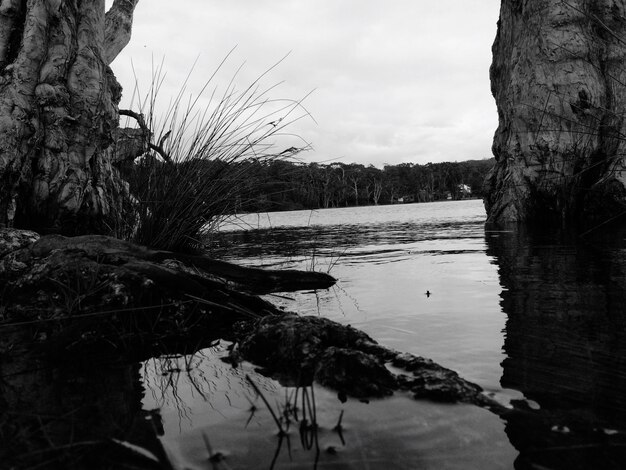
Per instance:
x=59, y=113
x=559, y=81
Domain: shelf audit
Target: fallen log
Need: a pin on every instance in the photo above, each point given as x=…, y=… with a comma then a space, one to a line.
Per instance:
x=253, y=280
x=102, y=285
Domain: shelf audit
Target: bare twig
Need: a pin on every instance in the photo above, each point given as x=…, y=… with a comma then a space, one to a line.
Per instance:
x=281, y=432
x=158, y=148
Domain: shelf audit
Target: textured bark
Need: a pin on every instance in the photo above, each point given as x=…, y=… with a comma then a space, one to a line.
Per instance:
x=118, y=26
x=560, y=86
x=58, y=113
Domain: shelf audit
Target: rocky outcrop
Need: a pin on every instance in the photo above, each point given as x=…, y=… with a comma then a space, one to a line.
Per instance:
x=560, y=86
x=88, y=289
x=299, y=350
x=87, y=292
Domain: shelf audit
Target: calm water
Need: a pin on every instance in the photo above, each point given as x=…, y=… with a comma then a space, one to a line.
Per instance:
x=537, y=319
x=385, y=259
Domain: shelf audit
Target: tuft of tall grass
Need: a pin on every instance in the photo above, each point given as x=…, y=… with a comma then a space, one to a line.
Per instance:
x=198, y=169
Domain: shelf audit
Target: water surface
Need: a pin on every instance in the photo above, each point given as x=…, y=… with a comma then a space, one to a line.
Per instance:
x=536, y=318
x=416, y=277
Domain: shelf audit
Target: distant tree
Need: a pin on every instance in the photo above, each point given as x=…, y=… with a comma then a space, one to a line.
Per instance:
x=355, y=175
x=375, y=181
x=289, y=185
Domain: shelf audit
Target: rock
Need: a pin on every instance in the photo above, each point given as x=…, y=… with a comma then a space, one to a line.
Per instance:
x=91, y=288
x=287, y=343
x=430, y=380
x=355, y=373
x=299, y=350
x=559, y=83
x=14, y=239
x=91, y=291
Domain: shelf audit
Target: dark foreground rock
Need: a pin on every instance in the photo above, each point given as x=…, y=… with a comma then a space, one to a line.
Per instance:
x=95, y=292
x=301, y=350
x=86, y=289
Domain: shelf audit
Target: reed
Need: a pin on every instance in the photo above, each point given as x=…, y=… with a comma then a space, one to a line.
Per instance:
x=198, y=168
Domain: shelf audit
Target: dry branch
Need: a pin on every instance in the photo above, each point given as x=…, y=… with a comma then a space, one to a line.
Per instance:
x=118, y=26
x=158, y=148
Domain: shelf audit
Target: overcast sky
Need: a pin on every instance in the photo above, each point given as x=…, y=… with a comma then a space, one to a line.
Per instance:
x=394, y=81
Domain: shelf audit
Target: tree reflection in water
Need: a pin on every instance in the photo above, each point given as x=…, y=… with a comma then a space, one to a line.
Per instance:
x=63, y=412
x=565, y=342
x=208, y=405
x=232, y=424
x=88, y=412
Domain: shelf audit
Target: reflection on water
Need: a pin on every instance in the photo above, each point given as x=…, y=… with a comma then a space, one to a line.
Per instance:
x=536, y=319
x=208, y=415
x=565, y=341
x=61, y=414
x=562, y=298
x=318, y=430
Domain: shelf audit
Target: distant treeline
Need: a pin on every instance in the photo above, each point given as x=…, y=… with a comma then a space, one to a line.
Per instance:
x=283, y=185
x=275, y=184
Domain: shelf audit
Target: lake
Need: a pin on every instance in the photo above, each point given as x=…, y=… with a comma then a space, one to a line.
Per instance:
x=386, y=259
x=536, y=318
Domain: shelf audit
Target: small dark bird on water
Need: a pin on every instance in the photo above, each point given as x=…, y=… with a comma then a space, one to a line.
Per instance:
x=428, y=294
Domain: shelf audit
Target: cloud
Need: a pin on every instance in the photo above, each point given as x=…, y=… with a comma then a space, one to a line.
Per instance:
x=394, y=81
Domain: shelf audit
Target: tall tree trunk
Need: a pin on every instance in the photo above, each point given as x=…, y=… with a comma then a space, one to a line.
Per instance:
x=559, y=81
x=59, y=114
